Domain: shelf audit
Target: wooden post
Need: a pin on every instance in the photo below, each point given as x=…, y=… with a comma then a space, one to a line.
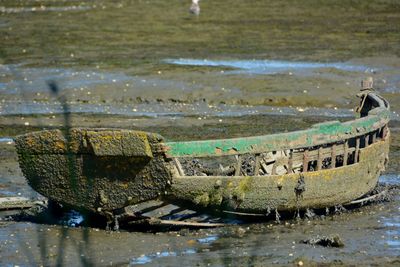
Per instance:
x=384, y=132
x=333, y=156
x=319, y=159
x=305, y=160
x=273, y=172
x=264, y=166
x=179, y=167
x=357, y=150
x=374, y=134
x=346, y=152
x=257, y=165
x=366, y=140
x=238, y=168
x=290, y=163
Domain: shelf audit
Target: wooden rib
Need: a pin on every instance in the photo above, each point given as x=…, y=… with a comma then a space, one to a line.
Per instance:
x=264, y=166
x=10, y=203
x=290, y=163
x=179, y=167
x=345, y=152
x=238, y=167
x=333, y=156
x=374, y=134
x=305, y=160
x=257, y=165
x=357, y=150
x=273, y=172
x=366, y=140
x=319, y=160
x=385, y=131
x=326, y=152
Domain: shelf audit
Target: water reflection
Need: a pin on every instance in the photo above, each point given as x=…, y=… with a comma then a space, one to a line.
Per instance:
x=144, y=259
x=392, y=235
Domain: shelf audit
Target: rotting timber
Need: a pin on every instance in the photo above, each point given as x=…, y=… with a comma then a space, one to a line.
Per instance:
x=106, y=170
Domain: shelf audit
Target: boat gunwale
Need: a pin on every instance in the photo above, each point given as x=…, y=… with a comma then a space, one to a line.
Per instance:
x=318, y=134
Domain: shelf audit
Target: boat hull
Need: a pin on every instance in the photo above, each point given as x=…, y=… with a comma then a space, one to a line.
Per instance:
x=288, y=192
x=98, y=170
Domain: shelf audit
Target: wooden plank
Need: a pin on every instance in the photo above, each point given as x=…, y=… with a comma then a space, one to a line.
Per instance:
x=345, y=152
x=257, y=165
x=274, y=168
x=305, y=160
x=290, y=163
x=319, y=159
x=333, y=156
x=11, y=203
x=366, y=140
x=357, y=150
x=238, y=168
x=179, y=167
x=264, y=166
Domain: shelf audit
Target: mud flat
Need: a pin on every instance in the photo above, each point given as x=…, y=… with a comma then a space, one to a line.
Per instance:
x=237, y=70
x=370, y=234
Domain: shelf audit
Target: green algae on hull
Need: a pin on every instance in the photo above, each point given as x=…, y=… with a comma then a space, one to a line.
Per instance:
x=99, y=170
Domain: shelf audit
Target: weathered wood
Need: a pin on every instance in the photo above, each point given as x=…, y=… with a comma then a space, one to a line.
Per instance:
x=274, y=168
x=385, y=131
x=264, y=166
x=290, y=163
x=319, y=160
x=358, y=201
x=257, y=165
x=319, y=134
x=366, y=140
x=305, y=160
x=178, y=166
x=345, y=152
x=333, y=156
x=10, y=203
x=357, y=150
x=238, y=168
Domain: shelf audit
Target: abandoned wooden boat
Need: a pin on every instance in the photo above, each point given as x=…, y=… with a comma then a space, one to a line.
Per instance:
x=106, y=170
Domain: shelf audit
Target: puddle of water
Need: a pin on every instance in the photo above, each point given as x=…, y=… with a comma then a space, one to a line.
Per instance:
x=267, y=66
x=390, y=179
x=208, y=239
x=7, y=140
x=392, y=235
x=144, y=259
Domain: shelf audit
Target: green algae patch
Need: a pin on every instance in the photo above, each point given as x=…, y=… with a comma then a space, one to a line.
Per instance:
x=100, y=170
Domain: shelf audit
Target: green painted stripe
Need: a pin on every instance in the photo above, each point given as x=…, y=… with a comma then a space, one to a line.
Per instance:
x=318, y=134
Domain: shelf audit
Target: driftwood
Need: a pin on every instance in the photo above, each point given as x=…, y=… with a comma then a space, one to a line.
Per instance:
x=366, y=199
x=12, y=203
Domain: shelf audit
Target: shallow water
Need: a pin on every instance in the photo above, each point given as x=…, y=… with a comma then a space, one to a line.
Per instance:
x=271, y=66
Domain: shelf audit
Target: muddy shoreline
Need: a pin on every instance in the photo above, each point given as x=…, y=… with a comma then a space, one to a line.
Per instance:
x=370, y=233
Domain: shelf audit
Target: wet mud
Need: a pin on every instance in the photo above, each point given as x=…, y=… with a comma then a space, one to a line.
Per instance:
x=237, y=69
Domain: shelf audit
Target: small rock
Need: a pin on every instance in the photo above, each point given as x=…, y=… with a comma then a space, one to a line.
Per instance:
x=325, y=241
